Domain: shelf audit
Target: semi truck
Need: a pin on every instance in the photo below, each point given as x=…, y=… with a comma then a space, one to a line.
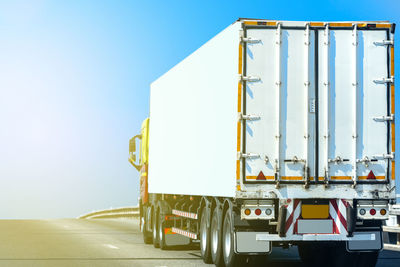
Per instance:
x=273, y=134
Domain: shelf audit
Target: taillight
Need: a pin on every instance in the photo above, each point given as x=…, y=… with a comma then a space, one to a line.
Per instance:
x=247, y=211
x=383, y=212
x=257, y=212
x=372, y=211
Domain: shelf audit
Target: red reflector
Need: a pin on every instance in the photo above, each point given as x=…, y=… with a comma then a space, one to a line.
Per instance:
x=260, y=176
x=372, y=211
x=371, y=176
x=257, y=211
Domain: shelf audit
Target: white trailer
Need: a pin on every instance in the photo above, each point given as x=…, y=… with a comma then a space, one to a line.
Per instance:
x=274, y=133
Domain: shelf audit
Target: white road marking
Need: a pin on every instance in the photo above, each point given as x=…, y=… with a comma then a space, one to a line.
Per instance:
x=111, y=246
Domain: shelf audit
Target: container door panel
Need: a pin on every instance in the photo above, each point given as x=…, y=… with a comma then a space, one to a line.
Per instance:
x=261, y=101
x=351, y=137
x=279, y=145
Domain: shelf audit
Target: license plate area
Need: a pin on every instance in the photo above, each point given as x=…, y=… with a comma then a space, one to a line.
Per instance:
x=315, y=226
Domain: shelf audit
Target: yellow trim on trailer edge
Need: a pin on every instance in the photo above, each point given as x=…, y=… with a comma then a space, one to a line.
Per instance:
x=317, y=24
x=340, y=24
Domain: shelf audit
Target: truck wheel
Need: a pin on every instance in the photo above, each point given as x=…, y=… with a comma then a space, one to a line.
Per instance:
x=341, y=257
x=315, y=254
x=147, y=236
x=367, y=259
x=161, y=233
x=216, y=238
x=156, y=240
x=305, y=253
x=231, y=259
x=205, y=238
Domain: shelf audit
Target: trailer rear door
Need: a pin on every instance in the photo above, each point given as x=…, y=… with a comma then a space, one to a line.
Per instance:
x=316, y=103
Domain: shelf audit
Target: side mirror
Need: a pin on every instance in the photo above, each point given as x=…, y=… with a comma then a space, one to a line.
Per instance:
x=132, y=152
x=132, y=145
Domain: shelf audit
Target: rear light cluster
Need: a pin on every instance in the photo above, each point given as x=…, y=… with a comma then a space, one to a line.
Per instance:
x=372, y=210
x=257, y=212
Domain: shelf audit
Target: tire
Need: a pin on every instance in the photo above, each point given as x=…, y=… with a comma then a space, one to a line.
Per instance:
x=156, y=240
x=305, y=253
x=258, y=260
x=205, y=236
x=216, y=238
x=161, y=232
x=231, y=259
x=341, y=257
x=367, y=259
x=316, y=254
x=147, y=236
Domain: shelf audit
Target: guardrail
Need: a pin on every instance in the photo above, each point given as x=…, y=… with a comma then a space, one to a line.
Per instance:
x=126, y=212
x=392, y=230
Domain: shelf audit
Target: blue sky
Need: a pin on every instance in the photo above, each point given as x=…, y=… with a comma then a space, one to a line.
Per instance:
x=74, y=88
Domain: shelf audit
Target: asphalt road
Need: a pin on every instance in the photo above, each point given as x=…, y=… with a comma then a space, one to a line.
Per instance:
x=72, y=242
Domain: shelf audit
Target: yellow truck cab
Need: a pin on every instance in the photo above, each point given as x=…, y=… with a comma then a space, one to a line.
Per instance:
x=141, y=163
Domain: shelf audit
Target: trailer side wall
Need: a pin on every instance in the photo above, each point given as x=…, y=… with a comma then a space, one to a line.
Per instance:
x=193, y=119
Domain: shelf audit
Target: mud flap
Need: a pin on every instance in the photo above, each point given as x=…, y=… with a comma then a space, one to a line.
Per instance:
x=365, y=241
x=252, y=242
x=173, y=239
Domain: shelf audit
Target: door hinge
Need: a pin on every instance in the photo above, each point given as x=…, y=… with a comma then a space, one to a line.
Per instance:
x=249, y=40
x=384, y=42
x=248, y=117
x=241, y=155
x=384, y=118
x=385, y=80
x=249, y=78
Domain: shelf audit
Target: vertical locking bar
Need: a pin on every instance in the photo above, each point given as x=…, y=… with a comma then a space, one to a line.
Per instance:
x=355, y=89
x=278, y=109
x=240, y=175
x=306, y=91
x=327, y=92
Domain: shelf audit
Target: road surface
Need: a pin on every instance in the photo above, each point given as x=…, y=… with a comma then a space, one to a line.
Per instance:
x=73, y=242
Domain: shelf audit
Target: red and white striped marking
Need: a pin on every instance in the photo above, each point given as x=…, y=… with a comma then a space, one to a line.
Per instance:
x=184, y=233
x=185, y=214
x=337, y=213
x=293, y=213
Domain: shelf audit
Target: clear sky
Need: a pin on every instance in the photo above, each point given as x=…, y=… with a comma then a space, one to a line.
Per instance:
x=74, y=87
